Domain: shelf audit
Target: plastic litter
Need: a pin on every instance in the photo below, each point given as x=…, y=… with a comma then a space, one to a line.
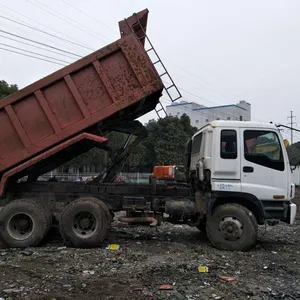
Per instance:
x=113, y=247
x=203, y=269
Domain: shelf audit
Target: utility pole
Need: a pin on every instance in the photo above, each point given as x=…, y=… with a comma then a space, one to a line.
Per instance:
x=291, y=123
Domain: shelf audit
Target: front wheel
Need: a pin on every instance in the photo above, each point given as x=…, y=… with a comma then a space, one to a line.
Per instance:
x=232, y=227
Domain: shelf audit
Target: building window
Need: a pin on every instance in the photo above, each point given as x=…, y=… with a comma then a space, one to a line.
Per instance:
x=196, y=143
x=197, y=121
x=207, y=120
x=218, y=118
x=228, y=118
x=263, y=148
x=228, y=144
x=241, y=118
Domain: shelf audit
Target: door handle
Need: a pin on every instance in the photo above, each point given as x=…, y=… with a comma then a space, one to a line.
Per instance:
x=248, y=169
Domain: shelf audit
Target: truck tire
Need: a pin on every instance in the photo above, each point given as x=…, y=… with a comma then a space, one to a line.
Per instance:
x=84, y=223
x=24, y=223
x=232, y=227
x=202, y=227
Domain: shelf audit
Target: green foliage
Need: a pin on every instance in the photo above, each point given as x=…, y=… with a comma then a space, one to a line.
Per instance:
x=167, y=139
x=7, y=89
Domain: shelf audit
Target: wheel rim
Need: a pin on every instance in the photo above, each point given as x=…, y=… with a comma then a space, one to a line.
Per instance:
x=20, y=226
x=85, y=224
x=231, y=229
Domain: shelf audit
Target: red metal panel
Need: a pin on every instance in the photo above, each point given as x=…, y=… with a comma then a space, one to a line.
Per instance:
x=36, y=125
x=105, y=81
x=72, y=99
x=122, y=78
x=10, y=141
x=62, y=104
x=48, y=153
x=76, y=95
x=16, y=123
x=130, y=25
x=47, y=110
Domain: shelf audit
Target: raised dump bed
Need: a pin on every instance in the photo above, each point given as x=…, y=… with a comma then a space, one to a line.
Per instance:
x=114, y=83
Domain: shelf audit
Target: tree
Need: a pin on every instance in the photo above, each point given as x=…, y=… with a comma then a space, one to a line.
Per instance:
x=7, y=89
x=167, y=139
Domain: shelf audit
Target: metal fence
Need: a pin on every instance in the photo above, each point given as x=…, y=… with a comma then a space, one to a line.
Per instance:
x=82, y=177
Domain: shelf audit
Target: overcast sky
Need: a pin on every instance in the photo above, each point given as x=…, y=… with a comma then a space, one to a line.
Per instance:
x=218, y=52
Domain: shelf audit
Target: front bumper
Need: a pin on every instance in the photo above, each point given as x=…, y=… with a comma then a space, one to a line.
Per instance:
x=291, y=215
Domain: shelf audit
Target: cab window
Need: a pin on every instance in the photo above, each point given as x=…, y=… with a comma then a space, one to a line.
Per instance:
x=228, y=144
x=197, y=143
x=263, y=148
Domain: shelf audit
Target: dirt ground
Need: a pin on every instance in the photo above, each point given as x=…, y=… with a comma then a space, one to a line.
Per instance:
x=148, y=259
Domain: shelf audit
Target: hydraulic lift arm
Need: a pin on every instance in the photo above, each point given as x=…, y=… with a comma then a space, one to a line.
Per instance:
x=136, y=133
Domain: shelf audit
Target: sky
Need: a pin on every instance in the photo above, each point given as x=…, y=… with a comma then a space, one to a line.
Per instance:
x=217, y=52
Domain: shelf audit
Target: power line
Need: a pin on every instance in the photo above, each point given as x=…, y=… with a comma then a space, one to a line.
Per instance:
x=32, y=52
x=199, y=97
x=91, y=17
x=42, y=31
x=193, y=75
x=33, y=41
x=64, y=19
x=291, y=123
x=39, y=58
x=61, y=33
x=15, y=40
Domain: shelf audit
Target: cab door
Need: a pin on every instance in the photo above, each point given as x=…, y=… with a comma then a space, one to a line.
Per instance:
x=263, y=170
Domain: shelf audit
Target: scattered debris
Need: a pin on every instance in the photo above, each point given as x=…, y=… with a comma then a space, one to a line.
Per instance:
x=26, y=252
x=113, y=247
x=87, y=272
x=166, y=287
x=227, y=278
x=203, y=269
x=61, y=248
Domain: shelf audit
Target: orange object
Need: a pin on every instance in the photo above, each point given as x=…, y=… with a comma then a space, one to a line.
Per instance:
x=226, y=278
x=166, y=287
x=167, y=172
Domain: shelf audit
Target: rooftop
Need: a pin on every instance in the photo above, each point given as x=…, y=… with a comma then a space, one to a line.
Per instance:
x=201, y=107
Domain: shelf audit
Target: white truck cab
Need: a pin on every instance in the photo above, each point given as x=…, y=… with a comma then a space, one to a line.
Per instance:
x=243, y=166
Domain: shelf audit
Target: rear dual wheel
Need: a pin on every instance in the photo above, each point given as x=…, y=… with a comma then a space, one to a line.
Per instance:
x=85, y=223
x=24, y=223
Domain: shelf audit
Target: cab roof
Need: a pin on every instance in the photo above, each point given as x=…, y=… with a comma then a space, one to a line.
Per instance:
x=237, y=124
x=241, y=124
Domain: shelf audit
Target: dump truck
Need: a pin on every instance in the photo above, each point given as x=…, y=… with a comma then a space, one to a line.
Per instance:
x=223, y=189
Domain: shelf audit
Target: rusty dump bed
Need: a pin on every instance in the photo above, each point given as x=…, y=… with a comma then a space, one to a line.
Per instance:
x=74, y=100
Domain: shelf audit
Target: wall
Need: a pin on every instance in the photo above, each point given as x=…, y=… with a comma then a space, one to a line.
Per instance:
x=201, y=115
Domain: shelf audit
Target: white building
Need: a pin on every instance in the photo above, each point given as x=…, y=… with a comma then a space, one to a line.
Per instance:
x=201, y=115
